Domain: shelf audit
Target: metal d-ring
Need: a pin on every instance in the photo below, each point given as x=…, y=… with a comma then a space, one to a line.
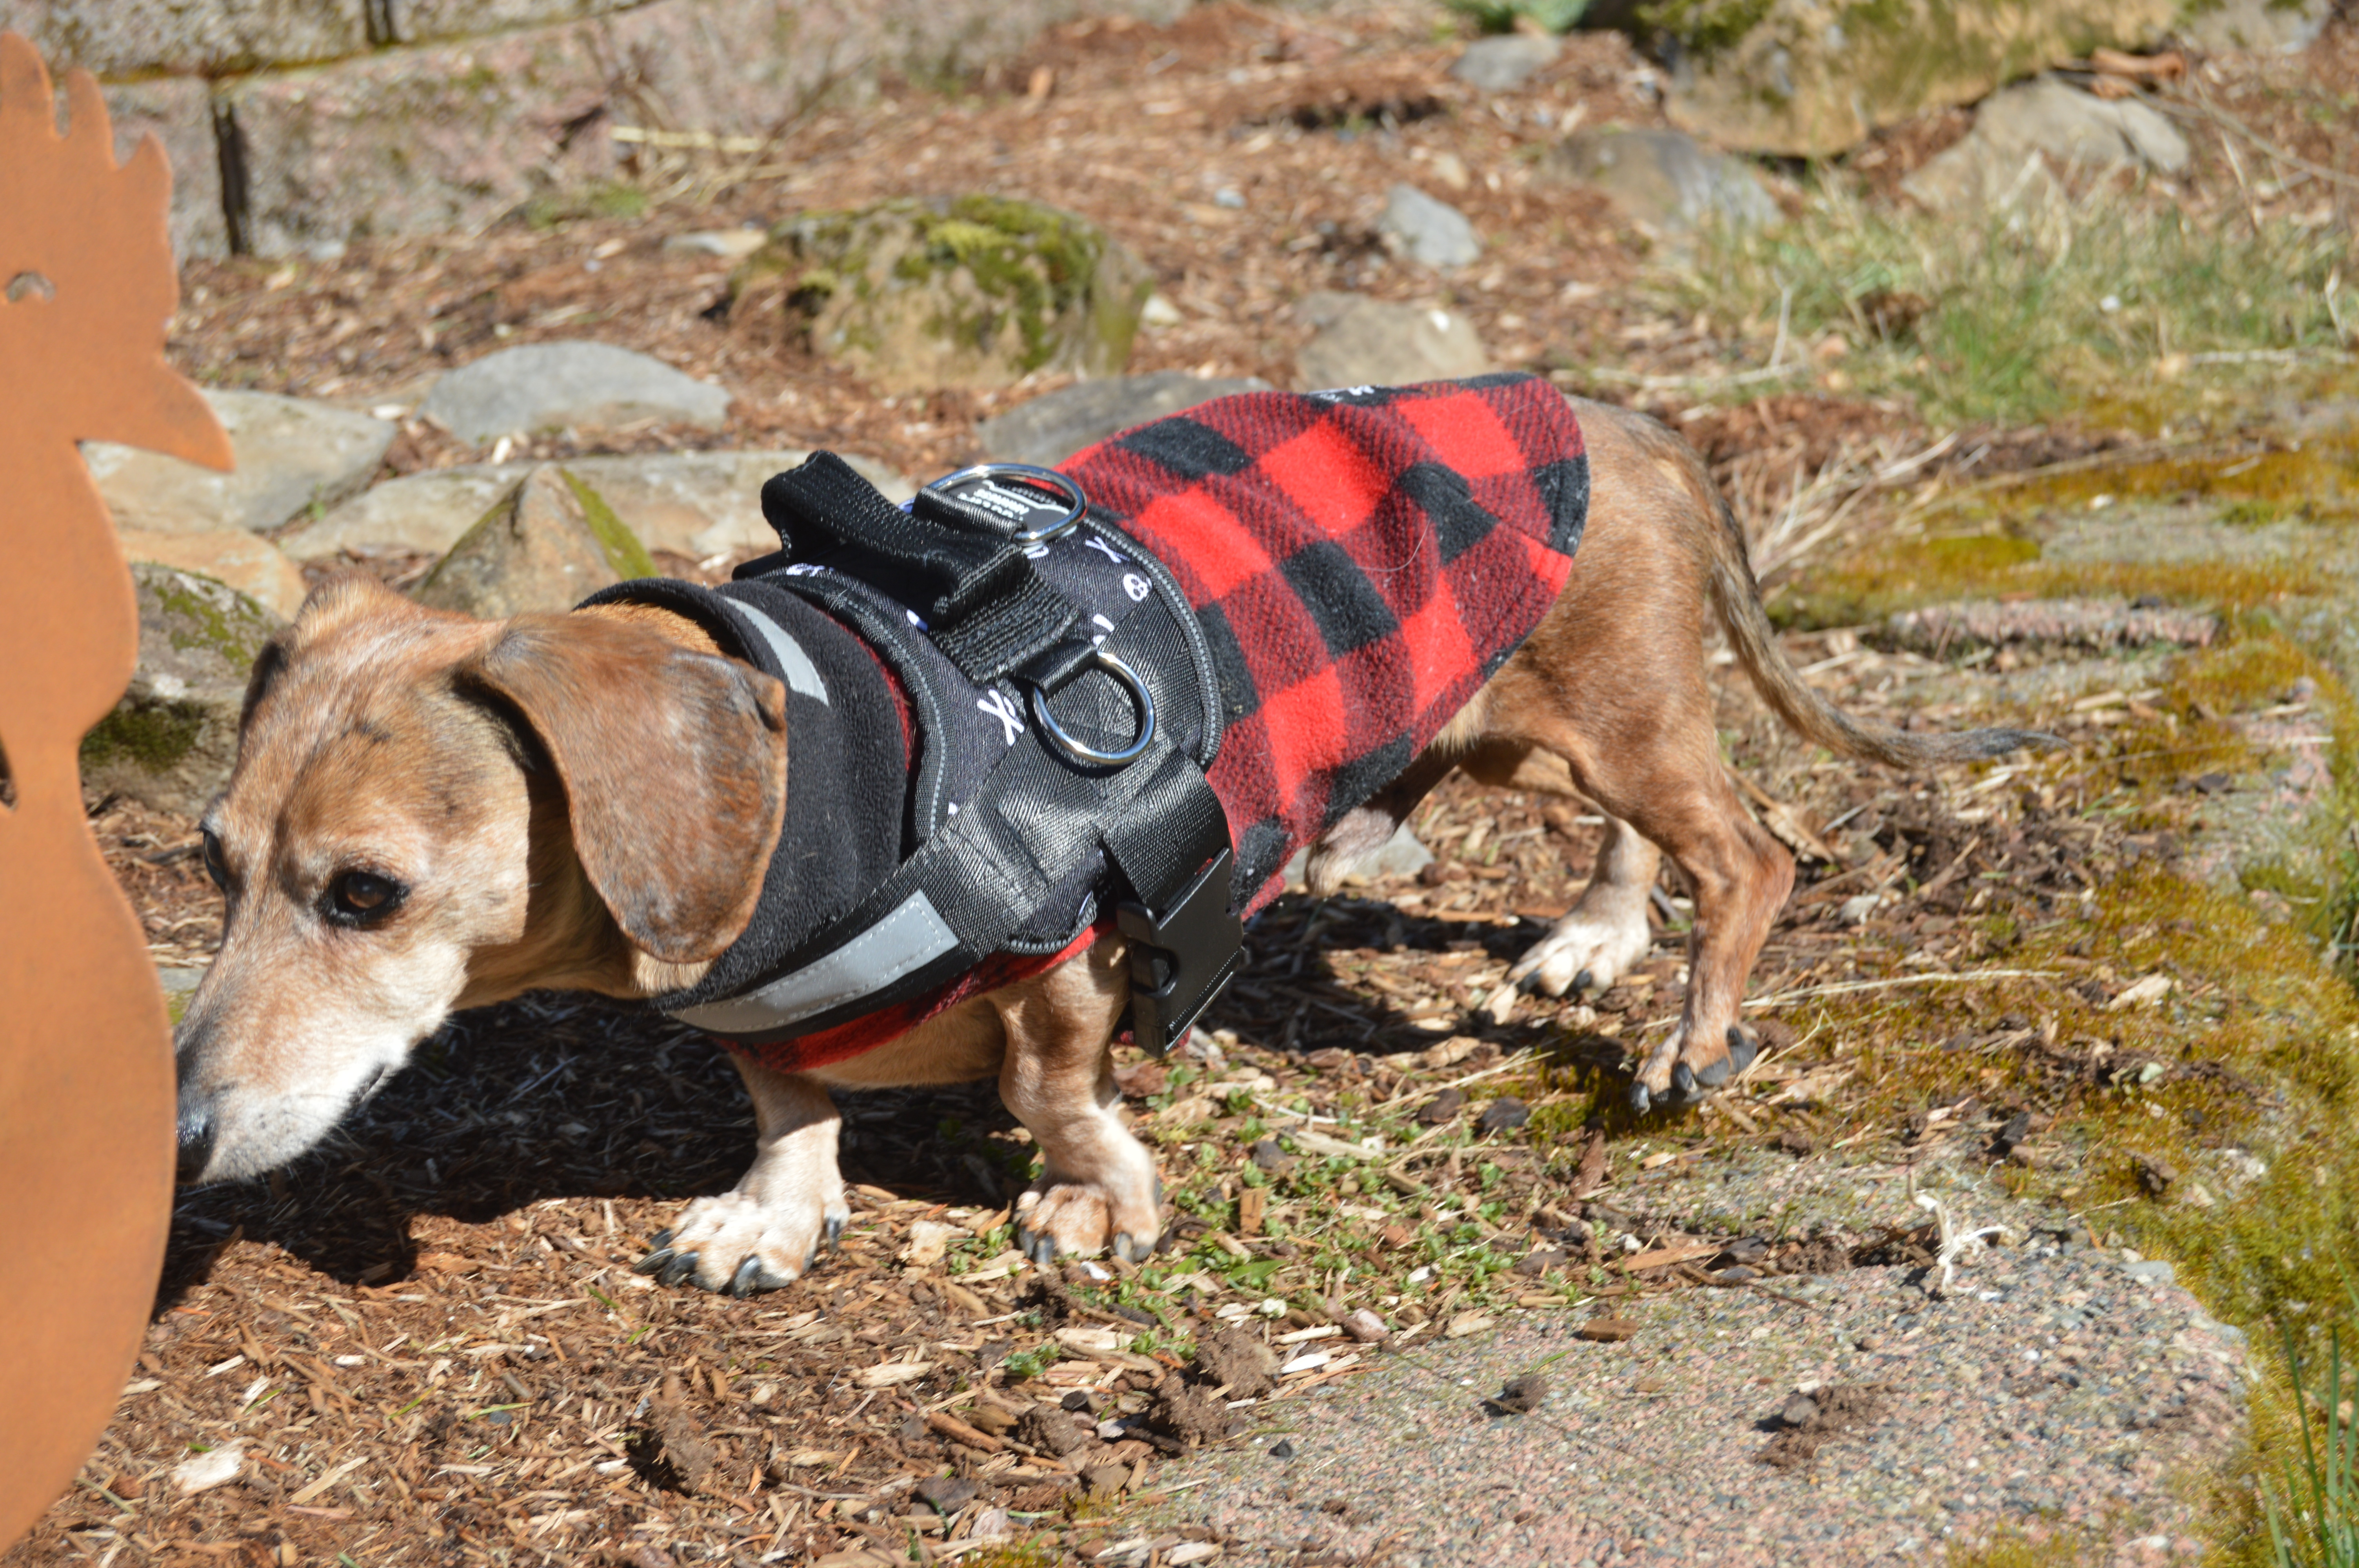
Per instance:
x=1139, y=700
x=1076, y=504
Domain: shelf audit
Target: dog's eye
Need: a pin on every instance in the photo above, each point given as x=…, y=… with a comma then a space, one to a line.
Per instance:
x=359, y=896
x=215, y=867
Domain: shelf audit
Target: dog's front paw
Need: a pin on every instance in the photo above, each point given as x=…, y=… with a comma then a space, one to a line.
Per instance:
x=1060, y=1216
x=741, y=1241
x=1683, y=1069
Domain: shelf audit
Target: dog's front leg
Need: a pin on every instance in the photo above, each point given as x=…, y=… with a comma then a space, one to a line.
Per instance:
x=1098, y=1186
x=764, y=1232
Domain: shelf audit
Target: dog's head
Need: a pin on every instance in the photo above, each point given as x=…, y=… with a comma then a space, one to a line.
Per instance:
x=430, y=812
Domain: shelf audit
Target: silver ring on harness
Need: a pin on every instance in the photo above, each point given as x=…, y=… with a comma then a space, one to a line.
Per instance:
x=1065, y=489
x=1090, y=755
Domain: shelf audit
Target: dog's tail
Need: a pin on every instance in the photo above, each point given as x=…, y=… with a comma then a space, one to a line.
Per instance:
x=1738, y=598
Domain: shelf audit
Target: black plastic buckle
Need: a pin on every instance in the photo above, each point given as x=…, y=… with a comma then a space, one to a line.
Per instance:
x=1181, y=959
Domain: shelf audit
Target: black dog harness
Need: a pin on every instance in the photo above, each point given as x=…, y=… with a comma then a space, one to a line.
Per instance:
x=1063, y=706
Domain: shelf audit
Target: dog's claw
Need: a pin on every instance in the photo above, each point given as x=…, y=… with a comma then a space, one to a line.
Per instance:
x=1036, y=1245
x=1743, y=1047
x=1683, y=1084
x=1584, y=982
x=654, y=1261
x=1641, y=1099
x=661, y=1239
x=834, y=1231
x=683, y=1266
x=748, y=1279
x=1130, y=1249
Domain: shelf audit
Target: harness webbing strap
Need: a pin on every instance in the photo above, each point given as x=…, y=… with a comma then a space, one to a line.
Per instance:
x=985, y=607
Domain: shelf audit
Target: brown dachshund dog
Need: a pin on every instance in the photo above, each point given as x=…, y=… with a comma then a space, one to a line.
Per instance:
x=430, y=812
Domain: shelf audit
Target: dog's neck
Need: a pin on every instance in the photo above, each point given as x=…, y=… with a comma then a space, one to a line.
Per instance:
x=839, y=836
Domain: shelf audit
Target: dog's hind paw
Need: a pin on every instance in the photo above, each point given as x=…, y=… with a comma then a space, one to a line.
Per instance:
x=736, y=1243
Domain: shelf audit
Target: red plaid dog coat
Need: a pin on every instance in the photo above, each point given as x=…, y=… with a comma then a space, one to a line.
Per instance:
x=1361, y=562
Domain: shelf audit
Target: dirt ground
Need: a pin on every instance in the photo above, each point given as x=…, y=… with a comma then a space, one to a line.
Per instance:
x=426, y=1340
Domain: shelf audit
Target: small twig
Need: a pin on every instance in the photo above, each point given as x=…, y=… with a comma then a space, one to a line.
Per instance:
x=1701, y=1278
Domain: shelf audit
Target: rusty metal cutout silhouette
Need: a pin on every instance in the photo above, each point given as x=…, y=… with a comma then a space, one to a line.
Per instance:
x=87, y=288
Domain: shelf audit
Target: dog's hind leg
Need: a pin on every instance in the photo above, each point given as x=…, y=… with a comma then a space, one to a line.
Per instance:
x=764, y=1232
x=1098, y=1187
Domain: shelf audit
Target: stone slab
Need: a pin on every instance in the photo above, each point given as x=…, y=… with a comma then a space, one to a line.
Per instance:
x=1428, y=230
x=1504, y=63
x=1376, y=343
x=199, y=37
x=178, y=110
x=1996, y=165
x=450, y=136
x=254, y=566
x=1664, y=179
x=1047, y=430
x=587, y=385
x=291, y=453
x=697, y=505
x=435, y=21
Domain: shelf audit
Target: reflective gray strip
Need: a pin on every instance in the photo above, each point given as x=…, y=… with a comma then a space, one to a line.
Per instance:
x=911, y=937
x=802, y=676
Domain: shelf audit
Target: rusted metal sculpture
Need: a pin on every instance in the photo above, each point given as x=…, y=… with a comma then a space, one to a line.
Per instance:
x=87, y=288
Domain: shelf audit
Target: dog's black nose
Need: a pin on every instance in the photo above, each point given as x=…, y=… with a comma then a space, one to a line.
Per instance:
x=196, y=1145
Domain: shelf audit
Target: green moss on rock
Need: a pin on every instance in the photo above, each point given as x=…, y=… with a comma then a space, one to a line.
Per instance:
x=154, y=736
x=623, y=552
x=966, y=291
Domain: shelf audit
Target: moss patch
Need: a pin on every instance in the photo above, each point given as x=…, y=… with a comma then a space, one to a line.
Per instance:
x=971, y=290
x=235, y=630
x=622, y=547
x=1907, y=574
x=154, y=736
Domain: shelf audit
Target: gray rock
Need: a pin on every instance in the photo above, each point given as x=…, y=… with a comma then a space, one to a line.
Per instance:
x=975, y=291
x=1664, y=179
x=1375, y=343
x=1049, y=429
x=1504, y=63
x=170, y=742
x=1996, y=165
x=292, y=455
x=547, y=386
x=548, y=544
x=2256, y=24
x=2154, y=1270
x=696, y=504
x=1427, y=230
x=1811, y=81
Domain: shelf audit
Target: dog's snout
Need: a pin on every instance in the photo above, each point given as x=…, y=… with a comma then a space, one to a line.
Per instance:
x=195, y=1143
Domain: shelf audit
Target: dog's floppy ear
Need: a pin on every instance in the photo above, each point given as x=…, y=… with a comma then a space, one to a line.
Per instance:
x=674, y=764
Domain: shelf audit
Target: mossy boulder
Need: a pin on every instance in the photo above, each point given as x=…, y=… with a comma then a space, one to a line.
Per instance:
x=170, y=742
x=547, y=544
x=1812, y=77
x=975, y=291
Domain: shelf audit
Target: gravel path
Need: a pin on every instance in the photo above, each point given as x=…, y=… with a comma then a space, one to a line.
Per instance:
x=2049, y=1385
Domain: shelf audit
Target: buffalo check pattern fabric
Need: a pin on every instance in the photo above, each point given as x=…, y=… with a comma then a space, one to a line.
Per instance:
x=1361, y=561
